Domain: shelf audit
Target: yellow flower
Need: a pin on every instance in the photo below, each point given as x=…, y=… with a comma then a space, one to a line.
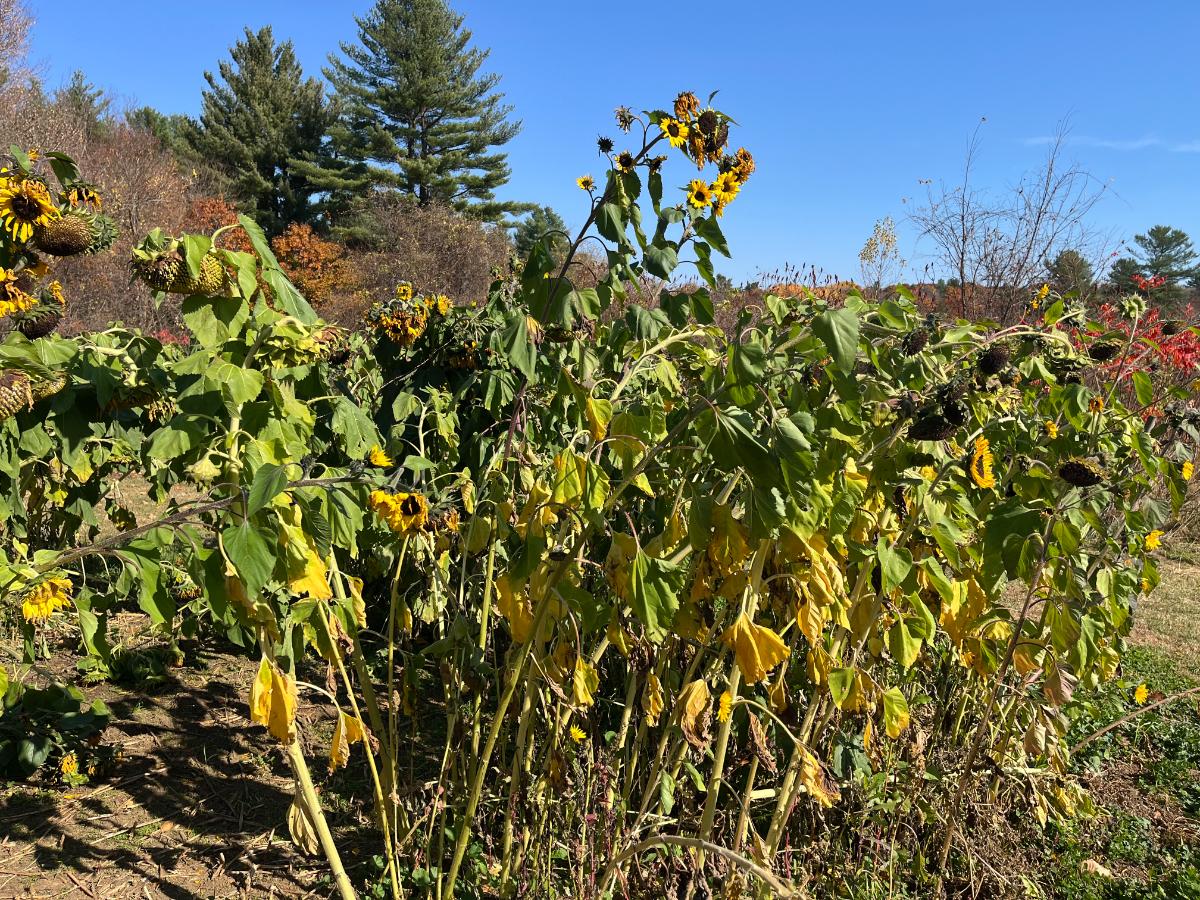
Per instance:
x=757, y=648
x=438, y=303
x=1141, y=694
x=1043, y=293
x=981, y=464
x=725, y=707
x=23, y=205
x=699, y=193
x=44, y=598
x=929, y=473
x=1154, y=540
x=378, y=457
x=1096, y=404
x=12, y=298
x=625, y=162
x=1051, y=429
x=586, y=183
x=56, y=291
x=69, y=765
x=578, y=735
x=404, y=291
x=674, y=131
x=402, y=512
x=1187, y=471
x=726, y=187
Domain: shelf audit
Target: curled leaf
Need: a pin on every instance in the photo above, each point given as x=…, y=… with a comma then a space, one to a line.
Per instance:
x=692, y=711
x=346, y=733
x=757, y=648
x=652, y=699
x=816, y=780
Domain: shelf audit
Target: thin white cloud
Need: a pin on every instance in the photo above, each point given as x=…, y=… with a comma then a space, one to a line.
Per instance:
x=1147, y=142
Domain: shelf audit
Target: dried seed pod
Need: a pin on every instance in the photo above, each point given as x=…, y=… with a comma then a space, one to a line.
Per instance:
x=993, y=361
x=1103, y=351
x=1081, y=472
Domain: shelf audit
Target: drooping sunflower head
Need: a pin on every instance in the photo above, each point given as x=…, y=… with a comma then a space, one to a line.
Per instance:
x=604, y=144
x=993, y=360
x=40, y=603
x=675, y=131
x=700, y=194
x=981, y=464
x=1080, y=472
x=625, y=162
x=686, y=106
x=81, y=194
x=24, y=205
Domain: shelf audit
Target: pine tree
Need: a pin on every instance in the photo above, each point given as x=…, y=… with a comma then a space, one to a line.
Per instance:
x=1164, y=252
x=540, y=222
x=259, y=121
x=417, y=115
x=86, y=101
x=1070, y=271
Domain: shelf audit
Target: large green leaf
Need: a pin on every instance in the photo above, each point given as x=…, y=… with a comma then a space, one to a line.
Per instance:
x=653, y=587
x=838, y=331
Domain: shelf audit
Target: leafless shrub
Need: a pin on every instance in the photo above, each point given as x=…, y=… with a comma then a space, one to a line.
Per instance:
x=998, y=247
x=15, y=24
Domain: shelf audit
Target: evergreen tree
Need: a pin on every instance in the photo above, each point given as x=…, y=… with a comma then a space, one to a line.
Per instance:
x=1070, y=271
x=1162, y=251
x=417, y=115
x=259, y=121
x=88, y=102
x=540, y=222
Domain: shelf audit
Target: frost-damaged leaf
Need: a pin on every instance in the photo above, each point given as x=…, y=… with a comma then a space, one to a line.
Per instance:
x=1059, y=684
x=652, y=699
x=692, y=711
x=816, y=780
x=347, y=732
x=273, y=701
x=585, y=682
x=301, y=828
x=757, y=648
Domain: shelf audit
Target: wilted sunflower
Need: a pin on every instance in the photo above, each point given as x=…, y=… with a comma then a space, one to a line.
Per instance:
x=700, y=195
x=625, y=162
x=1080, y=472
x=25, y=204
x=404, y=291
x=586, y=183
x=686, y=106
x=604, y=144
x=674, y=131
x=83, y=195
x=981, y=464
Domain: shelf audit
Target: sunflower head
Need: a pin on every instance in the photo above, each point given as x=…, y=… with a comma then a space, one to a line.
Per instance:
x=700, y=194
x=981, y=464
x=24, y=205
x=686, y=106
x=586, y=183
x=604, y=144
x=674, y=131
x=1080, y=472
x=625, y=162
x=993, y=360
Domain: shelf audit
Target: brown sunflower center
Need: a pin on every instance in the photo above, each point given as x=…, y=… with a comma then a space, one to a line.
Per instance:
x=410, y=506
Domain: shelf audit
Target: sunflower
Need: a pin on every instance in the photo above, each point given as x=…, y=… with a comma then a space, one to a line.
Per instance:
x=23, y=205
x=700, y=195
x=41, y=602
x=724, y=707
x=625, y=162
x=726, y=187
x=1096, y=404
x=1051, y=429
x=1187, y=471
x=981, y=464
x=1141, y=694
x=586, y=183
x=686, y=106
x=404, y=291
x=12, y=298
x=1154, y=540
x=378, y=457
x=56, y=291
x=403, y=513
x=674, y=131
x=83, y=195
x=578, y=735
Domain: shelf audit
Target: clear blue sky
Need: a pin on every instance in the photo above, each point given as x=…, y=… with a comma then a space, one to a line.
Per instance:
x=846, y=106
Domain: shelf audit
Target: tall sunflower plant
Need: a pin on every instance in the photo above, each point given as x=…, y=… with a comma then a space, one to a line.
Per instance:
x=641, y=584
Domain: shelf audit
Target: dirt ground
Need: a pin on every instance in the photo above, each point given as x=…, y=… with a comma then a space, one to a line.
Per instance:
x=196, y=805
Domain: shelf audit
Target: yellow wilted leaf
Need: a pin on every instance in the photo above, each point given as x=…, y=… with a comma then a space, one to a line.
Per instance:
x=260, y=694
x=598, y=413
x=652, y=699
x=728, y=548
x=358, y=605
x=819, y=665
x=281, y=720
x=778, y=693
x=757, y=648
x=895, y=712
x=346, y=732
x=816, y=780
x=515, y=608
x=585, y=683
x=868, y=735
x=692, y=711
x=810, y=617
x=300, y=827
